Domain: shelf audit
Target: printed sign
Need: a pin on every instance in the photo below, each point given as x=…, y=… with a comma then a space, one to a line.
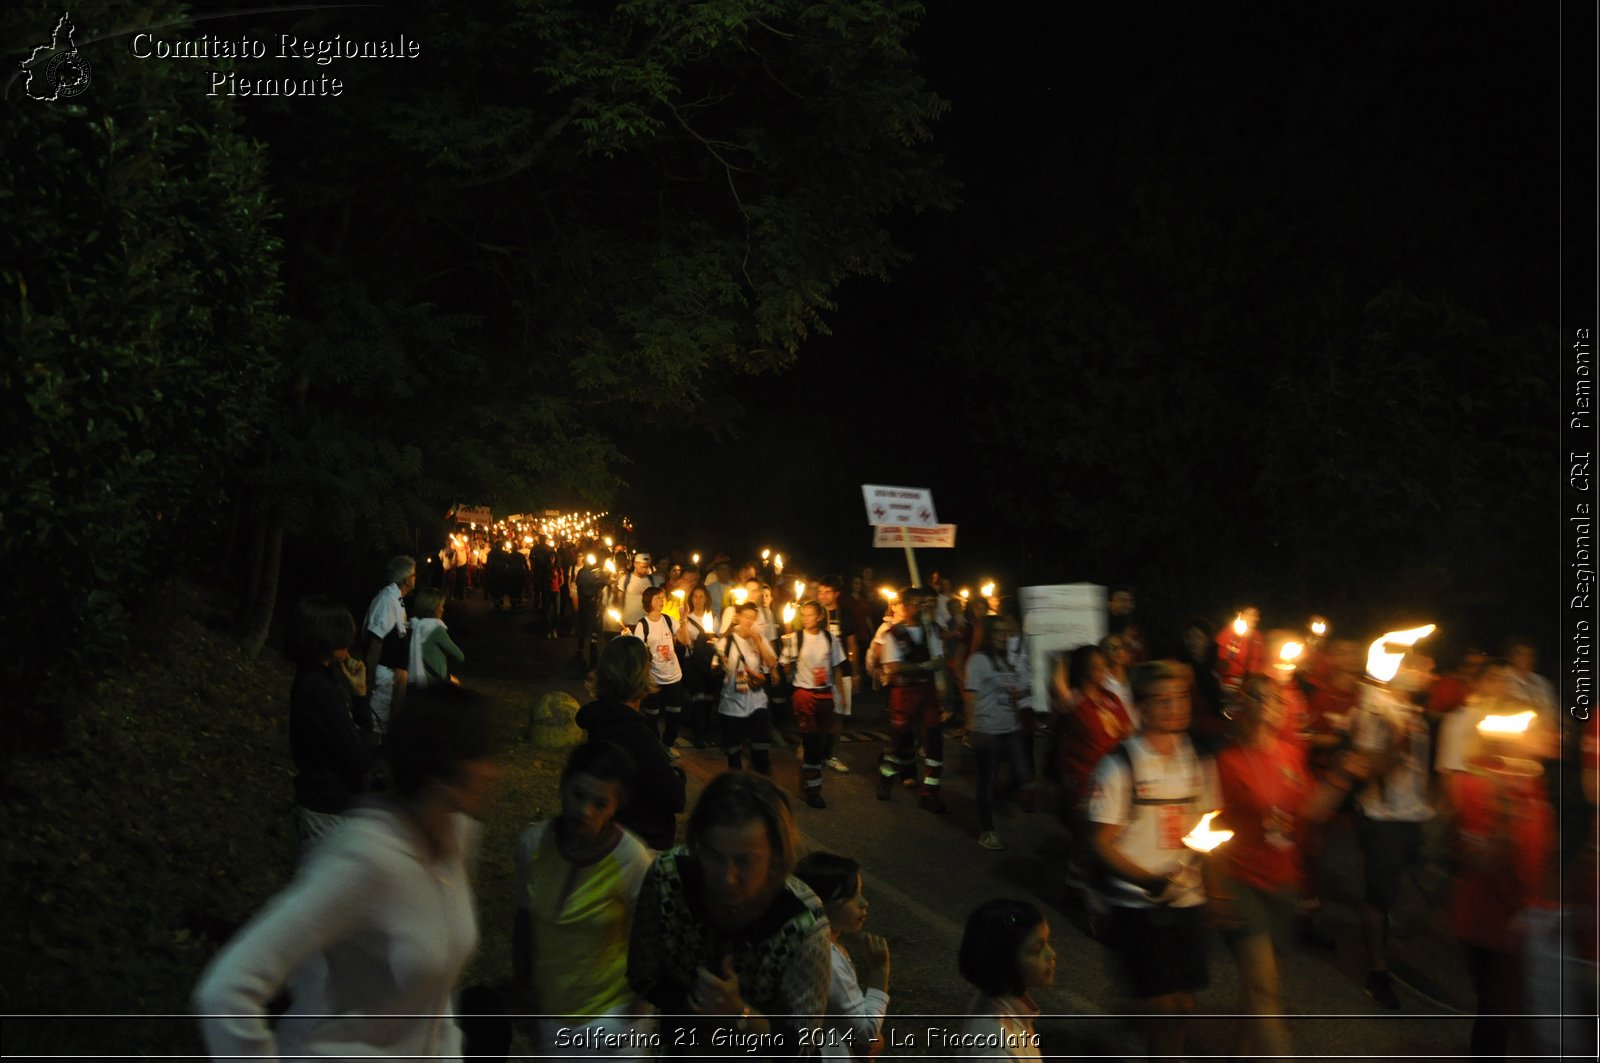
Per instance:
x=940, y=535
x=910, y=506
x=474, y=515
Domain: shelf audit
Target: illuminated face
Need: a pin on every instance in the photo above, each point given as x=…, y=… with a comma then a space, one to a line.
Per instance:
x=1121, y=604
x=588, y=804
x=828, y=596
x=1036, y=959
x=747, y=621
x=1167, y=706
x=736, y=860
x=810, y=616
x=849, y=915
x=641, y=567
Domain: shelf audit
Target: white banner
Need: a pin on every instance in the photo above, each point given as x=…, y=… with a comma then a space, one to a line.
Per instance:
x=912, y=506
x=938, y=536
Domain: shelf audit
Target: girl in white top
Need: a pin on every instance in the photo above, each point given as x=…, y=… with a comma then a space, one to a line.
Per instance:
x=1006, y=954
x=854, y=1019
x=993, y=726
x=661, y=638
x=747, y=662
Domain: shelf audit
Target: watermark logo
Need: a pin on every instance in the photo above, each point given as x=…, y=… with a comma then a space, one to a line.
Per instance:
x=57, y=71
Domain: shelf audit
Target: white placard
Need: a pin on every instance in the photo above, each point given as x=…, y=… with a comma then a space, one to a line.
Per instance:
x=910, y=506
x=941, y=536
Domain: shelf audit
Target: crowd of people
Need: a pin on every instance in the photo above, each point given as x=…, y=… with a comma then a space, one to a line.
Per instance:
x=633, y=937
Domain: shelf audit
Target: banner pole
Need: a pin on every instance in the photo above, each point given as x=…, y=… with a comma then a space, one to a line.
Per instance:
x=911, y=555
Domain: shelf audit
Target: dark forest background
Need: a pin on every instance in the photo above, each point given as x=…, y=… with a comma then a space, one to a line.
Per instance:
x=1242, y=301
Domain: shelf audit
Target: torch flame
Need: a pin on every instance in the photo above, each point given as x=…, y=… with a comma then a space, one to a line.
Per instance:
x=739, y=595
x=788, y=613
x=589, y=559
x=1382, y=663
x=987, y=590
x=1203, y=839
x=694, y=558
x=799, y=588
x=1506, y=725
x=706, y=621
x=777, y=562
x=1239, y=626
x=615, y=615
x=678, y=594
x=965, y=594
x=1290, y=652
x=1319, y=626
x=610, y=565
x=765, y=554
x=888, y=594
x=609, y=543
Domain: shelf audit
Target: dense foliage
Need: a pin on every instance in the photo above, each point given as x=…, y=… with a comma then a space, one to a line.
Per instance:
x=139, y=315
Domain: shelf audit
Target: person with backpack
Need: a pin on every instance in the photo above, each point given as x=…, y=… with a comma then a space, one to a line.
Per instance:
x=747, y=663
x=1149, y=792
x=665, y=641
x=813, y=658
x=631, y=586
x=913, y=658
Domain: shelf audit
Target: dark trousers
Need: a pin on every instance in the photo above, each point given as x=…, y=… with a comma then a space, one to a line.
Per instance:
x=757, y=730
x=993, y=751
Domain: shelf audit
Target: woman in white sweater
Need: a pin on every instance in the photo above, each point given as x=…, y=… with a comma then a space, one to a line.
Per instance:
x=372, y=934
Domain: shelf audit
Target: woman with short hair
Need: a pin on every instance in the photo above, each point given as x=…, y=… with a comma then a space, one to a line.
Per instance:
x=726, y=936
x=331, y=754
x=622, y=682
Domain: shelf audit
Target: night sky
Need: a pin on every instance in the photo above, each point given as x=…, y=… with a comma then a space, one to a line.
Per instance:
x=1350, y=121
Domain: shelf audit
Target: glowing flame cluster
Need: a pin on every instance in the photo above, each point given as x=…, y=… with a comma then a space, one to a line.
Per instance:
x=1515, y=724
x=1383, y=663
x=1203, y=839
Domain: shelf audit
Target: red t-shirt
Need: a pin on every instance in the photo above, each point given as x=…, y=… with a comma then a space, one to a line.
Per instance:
x=1263, y=791
x=1090, y=728
x=1504, y=830
x=1239, y=655
x=1448, y=694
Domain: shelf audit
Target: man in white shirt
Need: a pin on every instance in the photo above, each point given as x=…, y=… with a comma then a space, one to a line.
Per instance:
x=387, y=653
x=1147, y=794
x=631, y=586
x=913, y=658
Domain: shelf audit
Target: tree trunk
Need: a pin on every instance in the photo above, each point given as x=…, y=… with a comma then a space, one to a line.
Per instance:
x=254, y=559
x=230, y=542
x=266, y=596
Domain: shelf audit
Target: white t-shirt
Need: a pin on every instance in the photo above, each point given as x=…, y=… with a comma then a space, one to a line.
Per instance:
x=632, y=587
x=993, y=712
x=660, y=640
x=1173, y=793
x=819, y=655
x=849, y=1009
x=739, y=650
x=387, y=613
x=919, y=635
x=1401, y=795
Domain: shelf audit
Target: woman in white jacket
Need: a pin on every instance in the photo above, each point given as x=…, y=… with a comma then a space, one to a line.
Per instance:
x=379, y=922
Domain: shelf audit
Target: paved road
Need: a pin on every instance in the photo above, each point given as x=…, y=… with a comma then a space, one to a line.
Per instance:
x=924, y=872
